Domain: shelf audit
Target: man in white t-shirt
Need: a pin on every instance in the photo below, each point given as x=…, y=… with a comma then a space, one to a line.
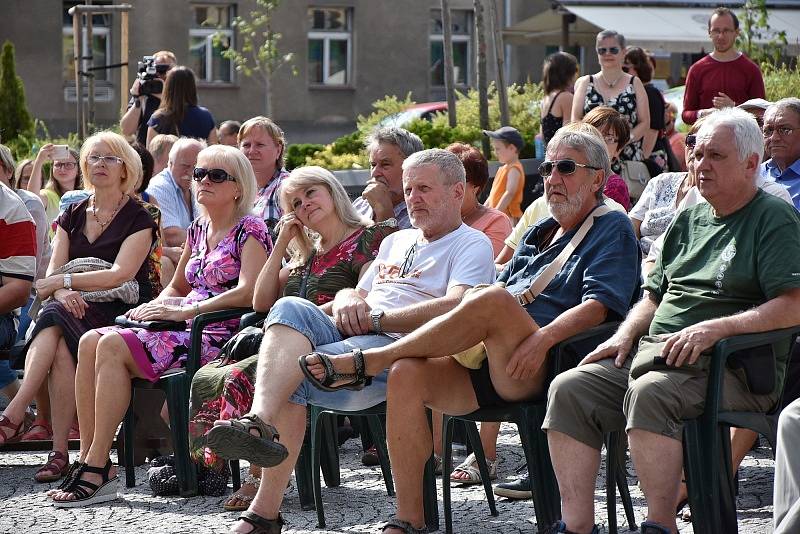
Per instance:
x=418, y=275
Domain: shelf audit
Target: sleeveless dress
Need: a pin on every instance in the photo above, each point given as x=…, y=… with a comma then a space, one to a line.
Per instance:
x=551, y=123
x=625, y=104
x=225, y=390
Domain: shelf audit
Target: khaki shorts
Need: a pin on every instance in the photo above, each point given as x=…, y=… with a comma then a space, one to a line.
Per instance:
x=590, y=400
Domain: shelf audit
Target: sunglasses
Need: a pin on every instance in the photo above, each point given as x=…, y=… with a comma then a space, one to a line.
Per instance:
x=563, y=166
x=691, y=140
x=163, y=69
x=602, y=50
x=215, y=175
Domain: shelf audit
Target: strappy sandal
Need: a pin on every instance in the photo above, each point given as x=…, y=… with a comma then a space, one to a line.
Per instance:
x=470, y=467
x=40, y=430
x=357, y=380
x=56, y=467
x=88, y=493
x=234, y=441
x=9, y=432
x=404, y=526
x=262, y=525
x=68, y=478
x=242, y=500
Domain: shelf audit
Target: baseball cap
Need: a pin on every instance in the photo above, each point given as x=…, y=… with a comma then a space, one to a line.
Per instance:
x=507, y=133
x=755, y=103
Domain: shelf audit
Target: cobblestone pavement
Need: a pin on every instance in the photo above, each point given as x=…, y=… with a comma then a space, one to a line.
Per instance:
x=360, y=504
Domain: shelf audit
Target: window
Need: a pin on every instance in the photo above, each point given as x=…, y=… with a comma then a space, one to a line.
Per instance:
x=100, y=50
x=205, y=52
x=461, y=22
x=329, y=46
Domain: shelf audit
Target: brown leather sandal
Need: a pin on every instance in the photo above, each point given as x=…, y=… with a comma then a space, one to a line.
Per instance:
x=9, y=432
x=262, y=525
x=56, y=467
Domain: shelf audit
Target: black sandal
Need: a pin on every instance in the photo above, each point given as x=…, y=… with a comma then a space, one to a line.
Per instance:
x=67, y=480
x=405, y=526
x=358, y=380
x=262, y=525
x=88, y=493
x=235, y=442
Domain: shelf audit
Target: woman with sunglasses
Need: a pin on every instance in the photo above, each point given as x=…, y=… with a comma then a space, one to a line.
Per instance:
x=108, y=226
x=329, y=246
x=65, y=176
x=612, y=87
x=225, y=248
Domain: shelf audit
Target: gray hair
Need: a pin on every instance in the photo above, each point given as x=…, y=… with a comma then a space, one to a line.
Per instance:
x=791, y=103
x=612, y=33
x=7, y=160
x=185, y=142
x=450, y=167
x=747, y=135
x=591, y=145
x=407, y=142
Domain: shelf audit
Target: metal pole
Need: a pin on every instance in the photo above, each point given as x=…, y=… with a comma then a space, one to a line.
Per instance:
x=76, y=31
x=497, y=36
x=123, y=73
x=447, y=50
x=89, y=62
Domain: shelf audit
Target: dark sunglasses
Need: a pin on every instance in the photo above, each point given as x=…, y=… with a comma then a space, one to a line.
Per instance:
x=162, y=69
x=563, y=166
x=215, y=175
x=602, y=50
x=691, y=140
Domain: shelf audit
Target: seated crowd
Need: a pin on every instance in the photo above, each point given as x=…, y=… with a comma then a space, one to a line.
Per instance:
x=385, y=298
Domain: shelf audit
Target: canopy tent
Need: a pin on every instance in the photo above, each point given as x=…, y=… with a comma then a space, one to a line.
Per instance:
x=669, y=29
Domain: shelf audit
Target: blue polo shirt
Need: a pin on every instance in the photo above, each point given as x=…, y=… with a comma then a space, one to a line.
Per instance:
x=605, y=267
x=789, y=178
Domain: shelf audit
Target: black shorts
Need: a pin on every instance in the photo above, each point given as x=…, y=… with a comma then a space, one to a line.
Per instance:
x=484, y=389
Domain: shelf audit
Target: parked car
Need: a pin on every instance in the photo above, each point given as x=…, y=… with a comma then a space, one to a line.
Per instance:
x=424, y=111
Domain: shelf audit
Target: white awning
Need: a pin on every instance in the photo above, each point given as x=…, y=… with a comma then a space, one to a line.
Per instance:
x=671, y=29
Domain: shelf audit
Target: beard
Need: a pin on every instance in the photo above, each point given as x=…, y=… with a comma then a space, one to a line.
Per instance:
x=569, y=208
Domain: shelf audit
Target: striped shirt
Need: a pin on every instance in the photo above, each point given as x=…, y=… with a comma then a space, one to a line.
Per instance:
x=17, y=237
x=267, y=204
x=169, y=195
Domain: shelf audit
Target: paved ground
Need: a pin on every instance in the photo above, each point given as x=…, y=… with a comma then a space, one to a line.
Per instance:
x=360, y=504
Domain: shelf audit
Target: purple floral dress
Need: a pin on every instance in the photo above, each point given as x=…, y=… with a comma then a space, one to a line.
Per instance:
x=209, y=273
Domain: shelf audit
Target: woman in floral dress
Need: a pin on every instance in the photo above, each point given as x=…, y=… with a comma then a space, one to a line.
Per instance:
x=330, y=246
x=224, y=250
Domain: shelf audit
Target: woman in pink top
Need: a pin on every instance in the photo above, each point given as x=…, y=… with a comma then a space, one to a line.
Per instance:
x=494, y=223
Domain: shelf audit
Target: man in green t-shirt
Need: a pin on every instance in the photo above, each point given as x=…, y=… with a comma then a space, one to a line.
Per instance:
x=728, y=267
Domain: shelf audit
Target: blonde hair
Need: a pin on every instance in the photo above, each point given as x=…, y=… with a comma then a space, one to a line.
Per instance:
x=272, y=129
x=161, y=143
x=300, y=247
x=18, y=173
x=118, y=145
x=168, y=54
x=241, y=170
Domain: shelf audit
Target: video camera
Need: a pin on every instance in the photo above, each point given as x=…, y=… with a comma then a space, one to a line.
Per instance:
x=148, y=71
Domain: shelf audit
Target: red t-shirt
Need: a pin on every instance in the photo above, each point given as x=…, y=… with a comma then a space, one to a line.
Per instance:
x=740, y=79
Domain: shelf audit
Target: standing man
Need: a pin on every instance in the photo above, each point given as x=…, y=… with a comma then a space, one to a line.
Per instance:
x=141, y=107
x=383, y=197
x=782, y=137
x=725, y=77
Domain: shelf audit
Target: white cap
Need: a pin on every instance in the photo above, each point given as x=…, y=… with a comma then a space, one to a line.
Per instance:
x=755, y=103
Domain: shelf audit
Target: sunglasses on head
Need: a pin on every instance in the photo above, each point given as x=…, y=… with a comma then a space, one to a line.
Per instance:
x=563, y=166
x=602, y=50
x=215, y=175
x=691, y=140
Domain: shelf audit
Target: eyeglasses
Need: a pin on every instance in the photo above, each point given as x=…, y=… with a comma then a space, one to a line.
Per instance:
x=783, y=131
x=602, y=50
x=107, y=160
x=215, y=175
x=717, y=33
x=66, y=165
x=563, y=166
x=691, y=140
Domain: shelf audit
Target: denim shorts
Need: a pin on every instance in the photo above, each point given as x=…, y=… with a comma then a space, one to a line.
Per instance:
x=320, y=330
x=8, y=334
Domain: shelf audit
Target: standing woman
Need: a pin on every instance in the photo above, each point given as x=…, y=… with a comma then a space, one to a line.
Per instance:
x=263, y=144
x=110, y=226
x=225, y=249
x=65, y=176
x=179, y=113
x=558, y=75
x=612, y=87
x=654, y=143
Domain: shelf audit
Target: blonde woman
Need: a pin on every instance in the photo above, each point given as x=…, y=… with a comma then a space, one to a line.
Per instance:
x=110, y=226
x=330, y=246
x=225, y=248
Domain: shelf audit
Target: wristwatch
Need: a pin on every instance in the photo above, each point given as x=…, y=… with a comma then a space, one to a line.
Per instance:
x=68, y=281
x=391, y=222
x=375, y=316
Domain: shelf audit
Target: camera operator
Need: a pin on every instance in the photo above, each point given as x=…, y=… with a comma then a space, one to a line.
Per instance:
x=142, y=106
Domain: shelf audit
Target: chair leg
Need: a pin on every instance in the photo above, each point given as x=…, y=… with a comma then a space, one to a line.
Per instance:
x=625, y=497
x=612, y=443
x=447, y=468
x=430, y=502
x=474, y=439
x=303, y=475
x=375, y=428
x=546, y=498
x=329, y=452
x=236, y=475
x=696, y=482
x=316, y=443
x=178, y=404
x=726, y=488
x=128, y=426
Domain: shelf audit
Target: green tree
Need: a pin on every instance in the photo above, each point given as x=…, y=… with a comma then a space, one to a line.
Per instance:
x=755, y=27
x=14, y=117
x=258, y=51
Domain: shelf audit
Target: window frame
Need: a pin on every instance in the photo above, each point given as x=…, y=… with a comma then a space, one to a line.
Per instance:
x=326, y=36
x=105, y=31
x=207, y=34
x=457, y=38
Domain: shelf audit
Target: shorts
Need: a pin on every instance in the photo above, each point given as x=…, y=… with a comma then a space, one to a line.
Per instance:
x=484, y=389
